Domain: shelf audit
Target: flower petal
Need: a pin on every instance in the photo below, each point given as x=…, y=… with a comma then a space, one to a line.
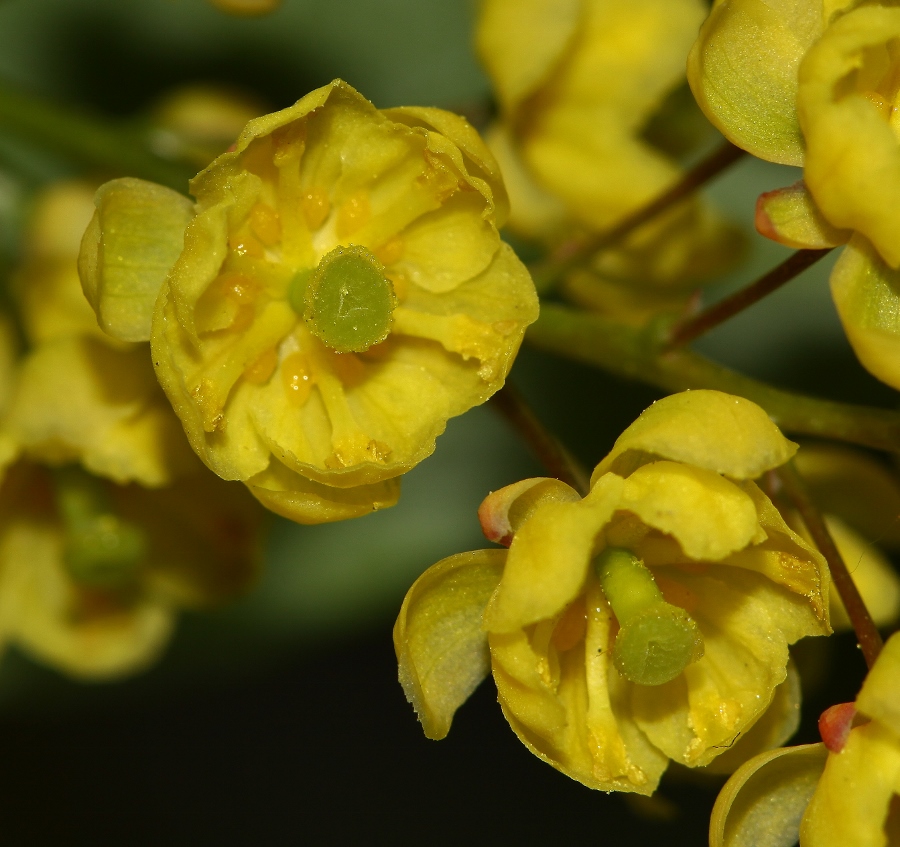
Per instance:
x=878, y=696
x=776, y=726
x=790, y=216
x=852, y=800
x=743, y=72
x=761, y=805
x=866, y=293
x=549, y=558
x=709, y=429
x=852, y=164
x=521, y=41
x=38, y=609
x=441, y=647
x=305, y=501
x=709, y=516
x=130, y=245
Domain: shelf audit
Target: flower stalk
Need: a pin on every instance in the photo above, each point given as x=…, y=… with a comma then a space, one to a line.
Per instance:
x=691, y=329
x=570, y=255
x=545, y=446
x=870, y=641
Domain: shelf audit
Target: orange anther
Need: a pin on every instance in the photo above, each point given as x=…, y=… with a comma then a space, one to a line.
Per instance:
x=316, y=207
x=265, y=224
x=353, y=214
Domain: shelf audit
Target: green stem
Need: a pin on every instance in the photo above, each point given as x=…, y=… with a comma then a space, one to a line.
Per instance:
x=89, y=140
x=634, y=354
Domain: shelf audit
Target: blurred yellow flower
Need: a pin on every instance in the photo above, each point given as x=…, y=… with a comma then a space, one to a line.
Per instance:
x=337, y=293
x=813, y=84
x=842, y=795
x=648, y=621
x=79, y=394
x=92, y=574
x=578, y=82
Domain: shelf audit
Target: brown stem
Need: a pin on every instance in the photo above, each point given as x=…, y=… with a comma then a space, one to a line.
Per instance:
x=710, y=318
x=571, y=255
x=558, y=461
x=866, y=633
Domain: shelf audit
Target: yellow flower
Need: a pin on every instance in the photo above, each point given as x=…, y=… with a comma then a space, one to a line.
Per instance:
x=577, y=82
x=648, y=621
x=92, y=574
x=813, y=84
x=842, y=795
x=341, y=292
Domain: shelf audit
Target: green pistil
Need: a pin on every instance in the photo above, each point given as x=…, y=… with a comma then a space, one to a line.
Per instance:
x=656, y=640
x=101, y=549
x=348, y=302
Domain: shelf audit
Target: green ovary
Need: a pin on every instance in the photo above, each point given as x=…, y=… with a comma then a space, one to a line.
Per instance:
x=101, y=549
x=656, y=640
x=348, y=302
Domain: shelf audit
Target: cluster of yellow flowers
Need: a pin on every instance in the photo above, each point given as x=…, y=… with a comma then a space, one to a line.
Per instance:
x=336, y=289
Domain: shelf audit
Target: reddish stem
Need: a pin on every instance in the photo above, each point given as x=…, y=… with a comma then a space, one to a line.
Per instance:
x=548, y=450
x=867, y=635
x=710, y=318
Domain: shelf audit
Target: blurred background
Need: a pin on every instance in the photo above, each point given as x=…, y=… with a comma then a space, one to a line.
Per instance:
x=279, y=718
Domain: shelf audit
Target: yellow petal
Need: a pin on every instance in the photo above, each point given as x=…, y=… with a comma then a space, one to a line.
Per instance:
x=81, y=400
x=709, y=516
x=307, y=502
x=502, y=512
x=535, y=212
x=128, y=248
x=743, y=71
x=776, y=726
x=443, y=248
x=479, y=161
x=521, y=42
x=549, y=558
x=852, y=800
x=866, y=293
x=761, y=805
x=786, y=559
x=709, y=429
x=441, y=647
x=878, y=696
x=846, y=99
x=790, y=216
